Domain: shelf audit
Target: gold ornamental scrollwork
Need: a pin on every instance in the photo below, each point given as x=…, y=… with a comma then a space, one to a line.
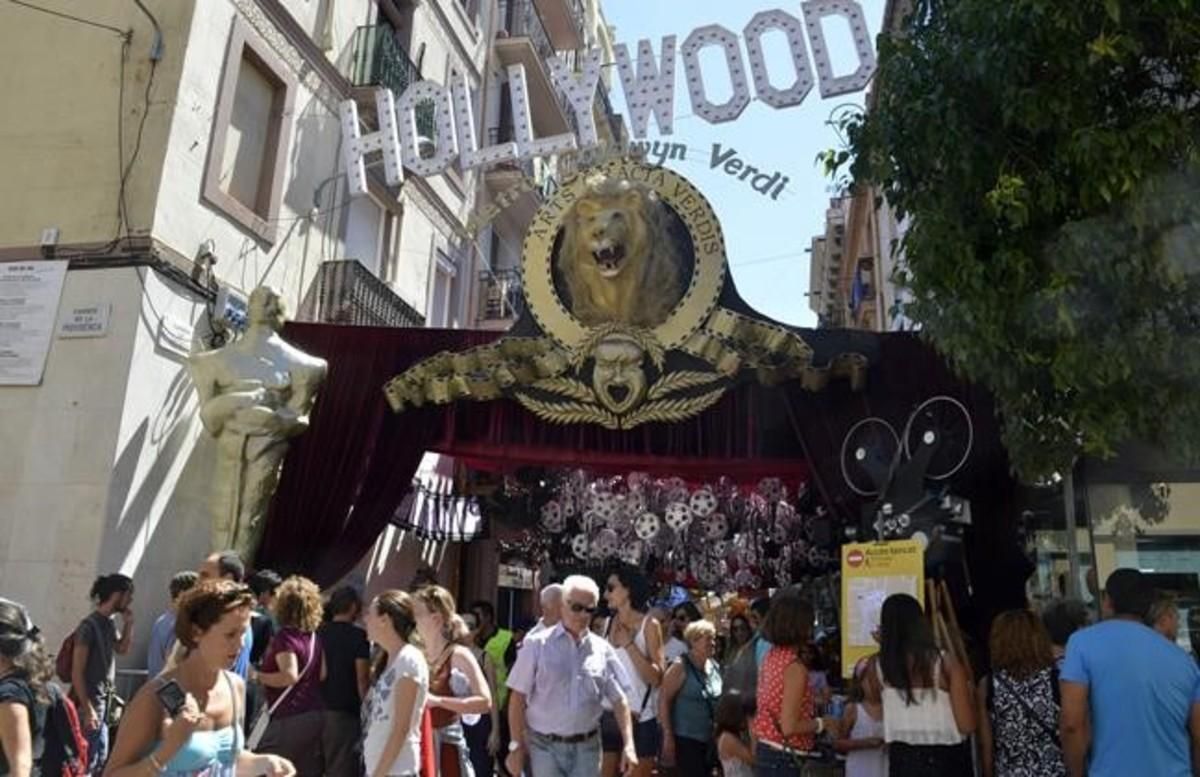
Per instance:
x=623, y=270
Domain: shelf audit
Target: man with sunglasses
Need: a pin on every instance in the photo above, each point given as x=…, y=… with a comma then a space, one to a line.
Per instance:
x=557, y=688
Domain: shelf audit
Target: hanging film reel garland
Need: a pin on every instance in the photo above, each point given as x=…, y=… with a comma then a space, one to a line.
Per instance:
x=716, y=536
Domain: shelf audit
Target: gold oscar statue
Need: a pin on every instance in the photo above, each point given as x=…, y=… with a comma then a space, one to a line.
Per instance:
x=255, y=395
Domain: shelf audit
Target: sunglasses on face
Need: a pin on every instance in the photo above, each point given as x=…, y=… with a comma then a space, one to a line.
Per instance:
x=577, y=608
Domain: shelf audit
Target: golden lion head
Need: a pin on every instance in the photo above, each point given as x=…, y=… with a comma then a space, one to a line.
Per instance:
x=610, y=224
x=616, y=258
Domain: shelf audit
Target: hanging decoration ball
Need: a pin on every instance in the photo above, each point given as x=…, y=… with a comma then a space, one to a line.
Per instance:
x=591, y=521
x=553, y=520
x=606, y=544
x=606, y=506
x=678, y=516
x=579, y=546
x=646, y=526
x=716, y=526
x=770, y=489
x=676, y=490
x=703, y=503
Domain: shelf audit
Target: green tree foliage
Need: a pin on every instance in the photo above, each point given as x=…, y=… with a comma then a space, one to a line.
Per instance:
x=1047, y=156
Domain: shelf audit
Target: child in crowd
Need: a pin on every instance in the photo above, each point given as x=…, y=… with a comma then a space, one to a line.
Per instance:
x=732, y=733
x=862, y=722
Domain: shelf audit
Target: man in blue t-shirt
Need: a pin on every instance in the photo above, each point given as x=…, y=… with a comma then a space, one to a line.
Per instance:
x=1128, y=695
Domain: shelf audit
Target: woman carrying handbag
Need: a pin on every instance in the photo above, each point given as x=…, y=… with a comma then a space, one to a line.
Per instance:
x=292, y=670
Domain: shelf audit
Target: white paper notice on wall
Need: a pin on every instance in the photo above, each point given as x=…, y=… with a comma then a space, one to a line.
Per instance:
x=84, y=320
x=29, y=295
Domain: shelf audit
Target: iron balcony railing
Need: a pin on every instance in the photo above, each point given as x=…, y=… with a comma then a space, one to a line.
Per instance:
x=500, y=297
x=345, y=292
x=379, y=60
x=521, y=19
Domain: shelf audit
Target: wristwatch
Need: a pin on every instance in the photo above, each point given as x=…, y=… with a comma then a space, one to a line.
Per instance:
x=514, y=746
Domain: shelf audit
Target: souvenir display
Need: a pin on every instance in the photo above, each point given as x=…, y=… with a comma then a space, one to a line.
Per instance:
x=717, y=536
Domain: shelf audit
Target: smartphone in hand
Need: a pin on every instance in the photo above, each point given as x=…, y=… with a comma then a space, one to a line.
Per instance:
x=172, y=697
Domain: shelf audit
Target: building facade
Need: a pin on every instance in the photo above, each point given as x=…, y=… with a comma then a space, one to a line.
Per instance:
x=177, y=157
x=529, y=32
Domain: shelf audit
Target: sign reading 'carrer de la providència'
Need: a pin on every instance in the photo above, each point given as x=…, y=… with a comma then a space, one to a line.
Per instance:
x=649, y=88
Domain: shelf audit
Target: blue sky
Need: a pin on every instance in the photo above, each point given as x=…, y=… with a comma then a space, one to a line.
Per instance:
x=765, y=239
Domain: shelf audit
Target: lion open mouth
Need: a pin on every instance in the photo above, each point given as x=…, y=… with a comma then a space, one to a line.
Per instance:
x=609, y=258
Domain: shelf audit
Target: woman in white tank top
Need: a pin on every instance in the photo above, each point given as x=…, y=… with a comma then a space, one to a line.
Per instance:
x=928, y=705
x=637, y=639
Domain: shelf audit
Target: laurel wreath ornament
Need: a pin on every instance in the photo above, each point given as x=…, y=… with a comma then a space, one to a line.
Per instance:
x=672, y=410
x=576, y=402
x=569, y=412
x=678, y=381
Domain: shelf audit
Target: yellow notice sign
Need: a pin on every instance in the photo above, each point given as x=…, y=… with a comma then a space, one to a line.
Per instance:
x=871, y=572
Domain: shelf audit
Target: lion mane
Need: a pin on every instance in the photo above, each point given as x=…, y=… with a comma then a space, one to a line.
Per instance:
x=644, y=284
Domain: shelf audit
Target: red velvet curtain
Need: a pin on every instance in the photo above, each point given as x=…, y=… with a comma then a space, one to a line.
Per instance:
x=343, y=479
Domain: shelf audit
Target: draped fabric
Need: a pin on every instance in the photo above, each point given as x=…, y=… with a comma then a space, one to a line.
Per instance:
x=349, y=475
x=344, y=478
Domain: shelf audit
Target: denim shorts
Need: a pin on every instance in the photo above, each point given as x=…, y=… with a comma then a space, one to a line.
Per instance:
x=646, y=736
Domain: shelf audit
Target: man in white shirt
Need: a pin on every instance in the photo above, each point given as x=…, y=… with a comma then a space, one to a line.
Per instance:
x=557, y=687
x=551, y=599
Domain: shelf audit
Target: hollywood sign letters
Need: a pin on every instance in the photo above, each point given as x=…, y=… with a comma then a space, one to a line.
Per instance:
x=649, y=90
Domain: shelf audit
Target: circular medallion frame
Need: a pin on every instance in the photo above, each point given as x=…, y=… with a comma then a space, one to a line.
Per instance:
x=676, y=192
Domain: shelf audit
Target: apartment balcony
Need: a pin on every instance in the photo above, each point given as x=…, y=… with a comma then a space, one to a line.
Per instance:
x=345, y=292
x=380, y=61
x=563, y=20
x=523, y=40
x=500, y=299
x=502, y=177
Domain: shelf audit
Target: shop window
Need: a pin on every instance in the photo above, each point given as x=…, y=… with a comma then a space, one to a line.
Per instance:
x=248, y=155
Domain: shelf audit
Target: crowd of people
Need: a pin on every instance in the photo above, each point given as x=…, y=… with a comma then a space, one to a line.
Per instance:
x=270, y=676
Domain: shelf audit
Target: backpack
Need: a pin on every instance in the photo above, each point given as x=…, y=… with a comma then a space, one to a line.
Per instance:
x=66, y=655
x=64, y=749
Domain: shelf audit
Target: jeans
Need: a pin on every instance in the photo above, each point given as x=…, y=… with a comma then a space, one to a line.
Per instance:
x=97, y=738
x=559, y=759
x=691, y=757
x=477, y=737
x=341, y=737
x=770, y=762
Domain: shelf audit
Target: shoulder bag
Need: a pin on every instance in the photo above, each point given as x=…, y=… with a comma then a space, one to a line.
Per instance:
x=263, y=719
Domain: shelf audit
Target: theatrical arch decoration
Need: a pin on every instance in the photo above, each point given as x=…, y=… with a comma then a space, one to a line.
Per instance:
x=630, y=314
